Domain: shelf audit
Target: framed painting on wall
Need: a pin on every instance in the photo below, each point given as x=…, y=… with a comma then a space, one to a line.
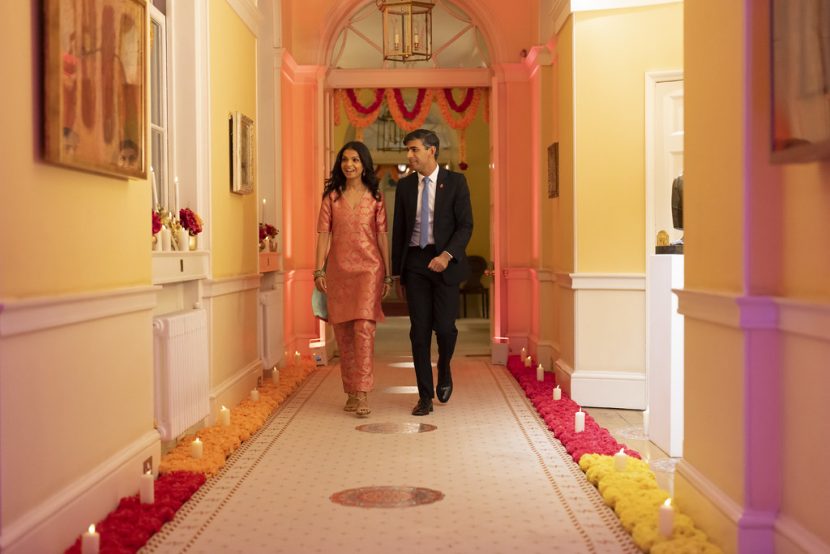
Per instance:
x=242, y=153
x=95, y=85
x=800, y=47
x=553, y=170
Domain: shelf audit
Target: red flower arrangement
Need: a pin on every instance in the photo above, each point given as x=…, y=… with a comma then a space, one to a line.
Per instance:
x=131, y=524
x=156, y=222
x=267, y=230
x=191, y=221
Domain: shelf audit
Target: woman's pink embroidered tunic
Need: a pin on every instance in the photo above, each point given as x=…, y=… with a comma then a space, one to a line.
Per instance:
x=354, y=271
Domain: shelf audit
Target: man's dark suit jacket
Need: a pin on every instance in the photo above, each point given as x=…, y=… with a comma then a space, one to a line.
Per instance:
x=452, y=226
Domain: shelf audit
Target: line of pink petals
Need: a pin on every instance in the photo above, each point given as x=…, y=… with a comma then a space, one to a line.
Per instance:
x=559, y=415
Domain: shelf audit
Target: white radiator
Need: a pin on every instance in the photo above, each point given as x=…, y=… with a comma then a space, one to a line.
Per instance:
x=182, y=380
x=271, y=302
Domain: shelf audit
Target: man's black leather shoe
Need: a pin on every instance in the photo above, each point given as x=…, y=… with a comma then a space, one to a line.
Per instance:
x=423, y=407
x=443, y=392
x=444, y=389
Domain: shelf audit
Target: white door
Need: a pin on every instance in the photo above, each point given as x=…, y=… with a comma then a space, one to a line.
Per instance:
x=664, y=333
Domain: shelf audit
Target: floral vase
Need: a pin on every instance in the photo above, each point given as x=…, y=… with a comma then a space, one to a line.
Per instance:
x=272, y=244
x=193, y=242
x=263, y=245
x=157, y=242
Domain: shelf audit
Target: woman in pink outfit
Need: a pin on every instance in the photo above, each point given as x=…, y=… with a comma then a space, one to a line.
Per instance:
x=353, y=266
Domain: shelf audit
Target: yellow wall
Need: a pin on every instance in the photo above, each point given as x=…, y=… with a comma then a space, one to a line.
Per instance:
x=714, y=107
x=62, y=230
x=234, y=341
x=613, y=50
x=478, y=178
x=232, y=88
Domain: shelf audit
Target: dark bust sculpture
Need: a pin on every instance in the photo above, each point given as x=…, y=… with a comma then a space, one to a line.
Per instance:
x=677, y=202
x=676, y=216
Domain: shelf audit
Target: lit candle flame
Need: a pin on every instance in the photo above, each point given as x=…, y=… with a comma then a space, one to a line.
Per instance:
x=667, y=503
x=92, y=528
x=197, y=440
x=622, y=450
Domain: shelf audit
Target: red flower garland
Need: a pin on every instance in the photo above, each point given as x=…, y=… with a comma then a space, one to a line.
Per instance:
x=559, y=416
x=131, y=524
x=360, y=107
x=416, y=109
x=459, y=108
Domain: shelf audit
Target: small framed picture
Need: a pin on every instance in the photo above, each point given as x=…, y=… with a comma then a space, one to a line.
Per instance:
x=553, y=170
x=243, y=153
x=95, y=90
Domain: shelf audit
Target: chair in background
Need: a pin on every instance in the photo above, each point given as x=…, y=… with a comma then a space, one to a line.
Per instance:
x=473, y=285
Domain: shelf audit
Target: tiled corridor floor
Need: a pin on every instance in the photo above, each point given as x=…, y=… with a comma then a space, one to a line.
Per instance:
x=497, y=481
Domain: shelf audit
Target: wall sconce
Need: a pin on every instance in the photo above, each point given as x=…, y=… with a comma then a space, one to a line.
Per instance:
x=407, y=29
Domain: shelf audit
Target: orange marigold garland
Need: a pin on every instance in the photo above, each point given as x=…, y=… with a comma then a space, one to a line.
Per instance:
x=409, y=120
x=358, y=115
x=467, y=110
x=246, y=419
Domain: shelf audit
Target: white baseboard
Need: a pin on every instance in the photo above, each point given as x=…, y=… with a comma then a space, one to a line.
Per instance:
x=55, y=524
x=609, y=389
x=798, y=536
x=235, y=388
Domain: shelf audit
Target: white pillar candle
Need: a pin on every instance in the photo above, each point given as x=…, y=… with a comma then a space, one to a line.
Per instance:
x=557, y=393
x=155, y=193
x=90, y=541
x=176, y=185
x=528, y=361
x=224, y=416
x=524, y=353
x=620, y=460
x=665, y=519
x=157, y=246
x=183, y=239
x=262, y=211
x=579, y=421
x=254, y=395
x=297, y=357
x=166, y=238
x=275, y=376
x=147, y=488
x=540, y=372
x=196, y=448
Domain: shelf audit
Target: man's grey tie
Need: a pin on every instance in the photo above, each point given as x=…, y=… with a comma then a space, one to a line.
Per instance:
x=425, y=214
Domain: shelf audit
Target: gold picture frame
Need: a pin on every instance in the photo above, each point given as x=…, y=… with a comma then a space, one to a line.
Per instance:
x=243, y=153
x=95, y=85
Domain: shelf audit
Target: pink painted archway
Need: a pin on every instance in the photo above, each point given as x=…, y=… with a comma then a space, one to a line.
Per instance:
x=306, y=118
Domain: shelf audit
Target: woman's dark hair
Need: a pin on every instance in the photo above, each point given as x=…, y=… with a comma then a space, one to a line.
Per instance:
x=337, y=180
x=427, y=137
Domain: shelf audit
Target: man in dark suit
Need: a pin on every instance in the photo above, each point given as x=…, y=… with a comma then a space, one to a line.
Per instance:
x=432, y=225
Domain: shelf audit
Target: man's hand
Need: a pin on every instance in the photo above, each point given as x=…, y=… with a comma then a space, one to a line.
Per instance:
x=440, y=262
x=400, y=290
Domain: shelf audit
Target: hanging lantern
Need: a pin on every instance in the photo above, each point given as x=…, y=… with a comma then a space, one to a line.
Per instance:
x=407, y=29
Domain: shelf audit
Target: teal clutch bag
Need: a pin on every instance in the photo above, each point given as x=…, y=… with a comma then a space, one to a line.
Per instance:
x=319, y=304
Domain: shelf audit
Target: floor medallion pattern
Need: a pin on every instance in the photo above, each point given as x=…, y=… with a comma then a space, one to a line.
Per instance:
x=387, y=497
x=396, y=428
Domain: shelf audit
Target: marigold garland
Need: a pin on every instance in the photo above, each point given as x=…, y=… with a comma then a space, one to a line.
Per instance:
x=409, y=120
x=359, y=120
x=468, y=108
x=131, y=524
x=633, y=493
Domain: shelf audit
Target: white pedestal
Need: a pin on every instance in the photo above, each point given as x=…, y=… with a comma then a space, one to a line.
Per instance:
x=665, y=353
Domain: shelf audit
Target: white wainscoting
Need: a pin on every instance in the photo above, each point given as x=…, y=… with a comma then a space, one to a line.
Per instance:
x=37, y=314
x=56, y=522
x=609, y=339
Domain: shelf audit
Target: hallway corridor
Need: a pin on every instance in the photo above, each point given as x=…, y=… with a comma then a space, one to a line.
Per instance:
x=495, y=479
